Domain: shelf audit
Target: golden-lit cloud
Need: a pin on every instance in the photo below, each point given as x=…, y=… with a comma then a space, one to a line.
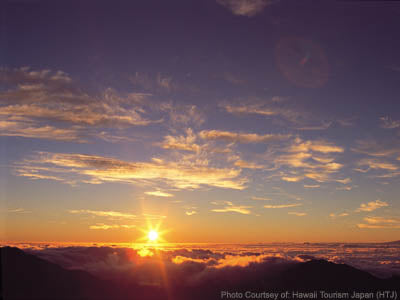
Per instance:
x=191, y=212
x=245, y=138
x=292, y=179
x=108, y=214
x=50, y=105
x=104, y=169
x=373, y=205
x=377, y=148
x=344, y=181
x=261, y=198
x=230, y=207
x=380, y=223
x=101, y=226
x=32, y=130
x=317, y=146
x=159, y=194
x=311, y=186
x=283, y=205
x=186, y=143
x=247, y=165
x=333, y=215
x=373, y=163
x=298, y=214
x=308, y=159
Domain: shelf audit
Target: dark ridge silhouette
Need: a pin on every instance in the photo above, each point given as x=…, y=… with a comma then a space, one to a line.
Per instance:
x=25, y=276
x=392, y=243
x=330, y=276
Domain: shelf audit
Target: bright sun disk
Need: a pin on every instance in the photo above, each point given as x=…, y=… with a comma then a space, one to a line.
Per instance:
x=152, y=235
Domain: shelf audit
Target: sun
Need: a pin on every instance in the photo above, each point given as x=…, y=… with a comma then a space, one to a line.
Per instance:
x=152, y=235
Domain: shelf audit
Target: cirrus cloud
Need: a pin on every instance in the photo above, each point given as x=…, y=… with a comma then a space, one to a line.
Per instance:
x=82, y=167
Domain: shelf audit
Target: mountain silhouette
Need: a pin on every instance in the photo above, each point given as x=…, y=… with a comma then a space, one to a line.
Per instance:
x=25, y=276
x=326, y=275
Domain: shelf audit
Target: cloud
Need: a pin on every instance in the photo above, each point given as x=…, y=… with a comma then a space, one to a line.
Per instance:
x=32, y=130
x=380, y=223
x=280, y=111
x=317, y=146
x=261, y=198
x=345, y=188
x=323, y=126
x=270, y=109
x=388, y=123
x=299, y=214
x=373, y=163
x=182, y=114
x=311, y=186
x=191, y=213
x=50, y=105
x=283, y=205
x=307, y=159
x=344, y=181
x=159, y=194
x=292, y=179
x=18, y=211
x=371, y=206
x=202, y=267
x=333, y=215
x=376, y=148
x=248, y=8
x=230, y=207
x=245, y=138
x=186, y=143
x=155, y=83
x=81, y=167
x=107, y=214
x=101, y=226
x=247, y=165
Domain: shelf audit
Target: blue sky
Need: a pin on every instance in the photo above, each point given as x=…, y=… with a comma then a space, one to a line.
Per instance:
x=275, y=119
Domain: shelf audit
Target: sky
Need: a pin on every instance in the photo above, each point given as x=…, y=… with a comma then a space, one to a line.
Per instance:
x=227, y=121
